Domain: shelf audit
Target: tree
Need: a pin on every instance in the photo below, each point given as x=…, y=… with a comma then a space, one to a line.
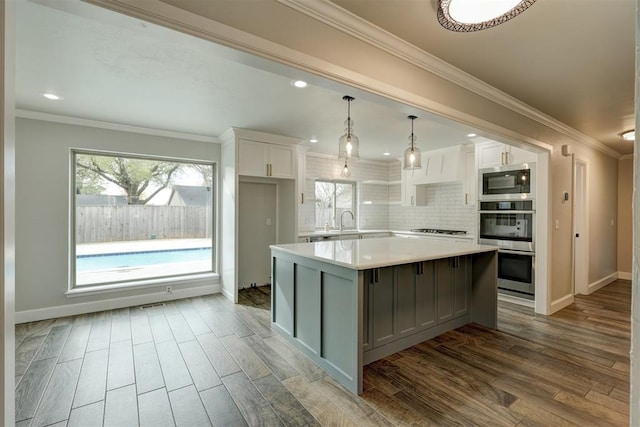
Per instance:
x=140, y=179
x=205, y=171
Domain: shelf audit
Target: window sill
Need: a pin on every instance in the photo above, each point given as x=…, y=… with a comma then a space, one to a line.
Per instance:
x=176, y=282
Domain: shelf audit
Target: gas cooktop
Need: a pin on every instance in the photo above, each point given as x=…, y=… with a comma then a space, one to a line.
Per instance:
x=438, y=231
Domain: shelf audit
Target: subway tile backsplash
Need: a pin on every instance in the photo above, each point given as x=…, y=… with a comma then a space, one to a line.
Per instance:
x=379, y=198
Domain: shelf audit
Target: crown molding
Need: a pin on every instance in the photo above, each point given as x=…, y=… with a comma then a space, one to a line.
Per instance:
x=626, y=157
x=56, y=118
x=341, y=19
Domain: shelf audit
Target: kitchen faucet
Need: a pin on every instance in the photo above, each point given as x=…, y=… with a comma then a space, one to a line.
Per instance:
x=353, y=219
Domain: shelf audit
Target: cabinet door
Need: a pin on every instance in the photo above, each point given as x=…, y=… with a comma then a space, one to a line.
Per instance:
x=444, y=293
x=408, y=189
x=282, y=161
x=426, y=295
x=252, y=158
x=470, y=178
x=382, y=306
x=490, y=155
x=516, y=156
x=461, y=285
x=405, y=308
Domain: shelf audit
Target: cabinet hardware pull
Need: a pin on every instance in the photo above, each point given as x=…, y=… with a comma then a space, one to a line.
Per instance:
x=270, y=169
x=376, y=277
x=267, y=172
x=412, y=201
x=466, y=198
x=302, y=198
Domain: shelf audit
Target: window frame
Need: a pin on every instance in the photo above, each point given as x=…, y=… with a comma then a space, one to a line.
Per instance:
x=126, y=284
x=354, y=201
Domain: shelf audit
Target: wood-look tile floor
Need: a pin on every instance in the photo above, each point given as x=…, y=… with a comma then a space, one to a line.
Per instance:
x=205, y=361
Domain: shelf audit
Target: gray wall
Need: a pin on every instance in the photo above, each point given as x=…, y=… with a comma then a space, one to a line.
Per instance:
x=42, y=201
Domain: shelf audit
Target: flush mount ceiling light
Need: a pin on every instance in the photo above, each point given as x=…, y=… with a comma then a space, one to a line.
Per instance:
x=299, y=84
x=471, y=135
x=629, y=135
x=313, y=140
x=475, y=15
x=349, y=146
x=412, y=155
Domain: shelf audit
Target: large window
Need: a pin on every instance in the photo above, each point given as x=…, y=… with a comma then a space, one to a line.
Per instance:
x=140, y=218
x=332, y=199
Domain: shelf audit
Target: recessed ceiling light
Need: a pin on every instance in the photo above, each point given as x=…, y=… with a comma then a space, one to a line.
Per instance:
x=52, y=96
x=313, y=140
x=471, y=135
x=386, y=153
x=629, y=135
x=300, y=84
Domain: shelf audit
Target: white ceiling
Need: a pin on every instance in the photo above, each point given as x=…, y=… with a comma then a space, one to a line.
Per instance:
x=571, y=59
x=113, y=68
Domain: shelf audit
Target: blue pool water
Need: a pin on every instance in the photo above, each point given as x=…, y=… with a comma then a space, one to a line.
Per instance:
x=137, y=259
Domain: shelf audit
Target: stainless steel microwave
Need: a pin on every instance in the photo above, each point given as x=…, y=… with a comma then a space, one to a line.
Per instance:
x=514, y=182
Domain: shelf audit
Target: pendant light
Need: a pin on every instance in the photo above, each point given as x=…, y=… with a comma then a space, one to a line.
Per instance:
x=412, y=155
x=349, y=146
x=346, y=172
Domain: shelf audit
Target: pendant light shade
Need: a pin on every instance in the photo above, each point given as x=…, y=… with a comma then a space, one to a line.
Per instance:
x=349, y=146
x=412, y=155
x=345, y=172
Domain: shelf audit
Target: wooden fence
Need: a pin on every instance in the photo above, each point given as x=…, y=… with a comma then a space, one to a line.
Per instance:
x=121, y=223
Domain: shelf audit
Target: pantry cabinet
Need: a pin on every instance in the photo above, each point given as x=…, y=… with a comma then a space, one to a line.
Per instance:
x=266, y=160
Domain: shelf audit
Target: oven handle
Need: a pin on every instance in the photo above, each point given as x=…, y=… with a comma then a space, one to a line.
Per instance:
x=507, y=212
x=524, y=253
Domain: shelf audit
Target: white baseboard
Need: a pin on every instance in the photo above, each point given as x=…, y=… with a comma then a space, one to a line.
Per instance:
x=625, y=275
x=601, y=283
x=231, y=297
x=111, y=304
x=560, y=303
x=516, y=300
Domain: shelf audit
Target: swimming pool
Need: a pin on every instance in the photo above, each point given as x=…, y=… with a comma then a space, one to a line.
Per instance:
x=138, y=259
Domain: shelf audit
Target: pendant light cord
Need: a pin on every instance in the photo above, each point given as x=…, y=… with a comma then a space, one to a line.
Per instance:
x=412, y=119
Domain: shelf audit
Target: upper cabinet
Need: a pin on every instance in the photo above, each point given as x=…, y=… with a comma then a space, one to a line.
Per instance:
x=492, y=154
x=470, y=186
x=266, y=159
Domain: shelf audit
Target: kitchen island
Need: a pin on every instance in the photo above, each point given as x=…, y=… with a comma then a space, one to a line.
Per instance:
x=347, y=303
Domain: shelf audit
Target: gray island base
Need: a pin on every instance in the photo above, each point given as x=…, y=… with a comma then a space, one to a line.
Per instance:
x=348, y=303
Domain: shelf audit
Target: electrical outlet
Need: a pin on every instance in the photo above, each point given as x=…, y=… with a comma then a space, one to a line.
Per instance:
x=169, y=289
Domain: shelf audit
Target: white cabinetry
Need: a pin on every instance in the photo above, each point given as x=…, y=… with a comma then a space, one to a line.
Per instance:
x=409, y=196
x=264, y=159
x=470, y=186
x=492, y=154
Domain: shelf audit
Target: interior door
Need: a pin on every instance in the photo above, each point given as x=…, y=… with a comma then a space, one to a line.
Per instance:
x=256, y=231
x=580, y=228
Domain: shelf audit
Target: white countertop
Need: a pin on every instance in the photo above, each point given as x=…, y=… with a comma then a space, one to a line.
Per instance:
x=330, y=233
x=381, y=252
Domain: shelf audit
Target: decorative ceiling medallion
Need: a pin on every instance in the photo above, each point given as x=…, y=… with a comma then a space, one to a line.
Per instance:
x=449, y=23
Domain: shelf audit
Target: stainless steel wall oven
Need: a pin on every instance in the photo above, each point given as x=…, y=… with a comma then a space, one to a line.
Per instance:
x=510, y=224
x=516, y=273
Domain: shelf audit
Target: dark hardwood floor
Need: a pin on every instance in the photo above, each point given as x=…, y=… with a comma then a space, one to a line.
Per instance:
x=205, y=361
